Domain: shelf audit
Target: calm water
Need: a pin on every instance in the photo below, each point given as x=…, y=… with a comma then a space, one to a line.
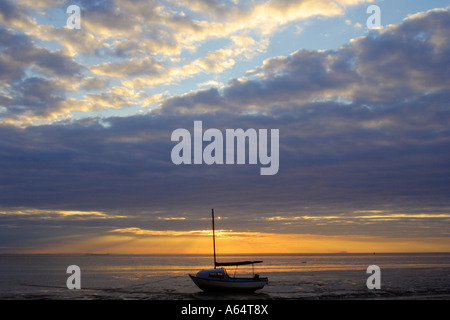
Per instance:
x=165, y=277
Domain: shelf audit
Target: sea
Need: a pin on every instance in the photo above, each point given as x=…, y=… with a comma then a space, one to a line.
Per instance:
x=344, y=276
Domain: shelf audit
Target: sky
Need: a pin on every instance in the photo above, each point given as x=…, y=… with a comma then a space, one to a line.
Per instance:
x=87, y=115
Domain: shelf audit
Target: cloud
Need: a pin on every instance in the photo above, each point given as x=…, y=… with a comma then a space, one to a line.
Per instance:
x=35, y=80
x=93, y=83
x=33, y=214
x=19, y=52
x=129, y=68
x=380, y=71
x=363, y=129
x=139, y=44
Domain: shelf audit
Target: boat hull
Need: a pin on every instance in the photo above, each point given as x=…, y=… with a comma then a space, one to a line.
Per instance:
x=229, y=284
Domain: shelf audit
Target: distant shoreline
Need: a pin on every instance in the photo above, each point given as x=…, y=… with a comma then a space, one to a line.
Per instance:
x=223, y=254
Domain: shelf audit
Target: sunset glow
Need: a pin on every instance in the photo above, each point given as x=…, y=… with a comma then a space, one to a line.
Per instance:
x=199, y=242
x=102, y=124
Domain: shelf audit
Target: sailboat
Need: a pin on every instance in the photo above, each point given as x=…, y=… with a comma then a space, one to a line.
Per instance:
x=218, y=279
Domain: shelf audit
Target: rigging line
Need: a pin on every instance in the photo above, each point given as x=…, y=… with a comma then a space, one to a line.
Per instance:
x=102, y=289
x=155, y=281
x=41, y=285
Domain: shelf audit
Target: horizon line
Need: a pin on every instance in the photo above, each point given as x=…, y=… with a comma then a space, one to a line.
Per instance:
x=227, y=254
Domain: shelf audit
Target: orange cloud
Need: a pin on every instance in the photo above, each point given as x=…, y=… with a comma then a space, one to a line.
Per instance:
x=139, y=241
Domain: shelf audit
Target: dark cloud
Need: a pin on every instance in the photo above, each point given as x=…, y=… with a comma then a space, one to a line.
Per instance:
x=381, y=69
x=361, y=128
x=327, y=153
x=35, y=78
x=19, y=52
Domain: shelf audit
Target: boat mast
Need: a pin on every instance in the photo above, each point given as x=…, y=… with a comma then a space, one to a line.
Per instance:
x=214, y=238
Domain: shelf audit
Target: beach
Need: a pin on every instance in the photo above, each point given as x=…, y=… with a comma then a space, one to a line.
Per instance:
x=165, y=277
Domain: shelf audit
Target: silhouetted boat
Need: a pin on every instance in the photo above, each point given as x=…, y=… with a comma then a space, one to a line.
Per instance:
x=217, y=279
